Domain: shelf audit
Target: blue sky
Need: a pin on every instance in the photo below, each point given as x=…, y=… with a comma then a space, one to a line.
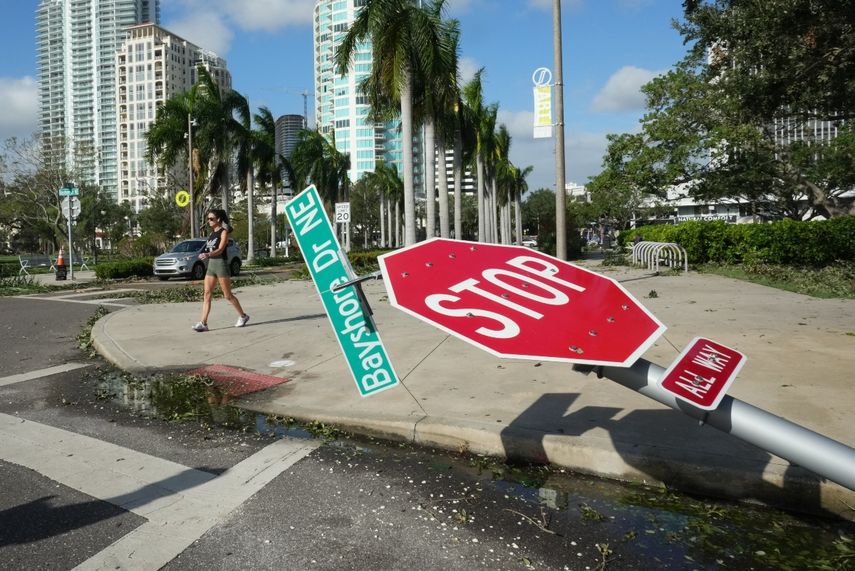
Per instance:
x=611, y=47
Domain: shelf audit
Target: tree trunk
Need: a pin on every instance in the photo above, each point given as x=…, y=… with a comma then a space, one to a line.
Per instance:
x=397, y=224
x=458, y=185
x=250, y=216
x=382, y=221
x=430, y=179
x=273, y=221
x=407, y=148
x=479, y=171
x=518, y=216
x=443, y=188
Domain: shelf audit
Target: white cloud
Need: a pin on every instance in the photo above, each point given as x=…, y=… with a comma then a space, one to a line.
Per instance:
x=205, y=29
x=19, y=112
x=467, y=68
x=583, y=151
x=269, y=15
x=622, y=91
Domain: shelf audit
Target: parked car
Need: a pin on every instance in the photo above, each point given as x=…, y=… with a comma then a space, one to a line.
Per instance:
x=183, y=260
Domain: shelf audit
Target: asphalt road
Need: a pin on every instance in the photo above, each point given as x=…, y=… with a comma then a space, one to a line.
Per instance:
x=340, y=505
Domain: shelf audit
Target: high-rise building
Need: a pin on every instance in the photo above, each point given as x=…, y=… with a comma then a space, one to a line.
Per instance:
x=76, y=50
x=152, y=65
x=288, y=129
x=340, y=107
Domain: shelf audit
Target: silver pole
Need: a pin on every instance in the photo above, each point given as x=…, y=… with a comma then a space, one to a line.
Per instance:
x=70, y=248
x=795, y=443
x=193, y=229
x=560, y=193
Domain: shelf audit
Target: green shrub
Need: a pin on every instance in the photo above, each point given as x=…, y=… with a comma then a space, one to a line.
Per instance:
x=138, y=267
x=786, y=242
x=365, y=261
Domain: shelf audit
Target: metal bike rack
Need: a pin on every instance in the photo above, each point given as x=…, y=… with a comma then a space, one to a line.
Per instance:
x=652, y=253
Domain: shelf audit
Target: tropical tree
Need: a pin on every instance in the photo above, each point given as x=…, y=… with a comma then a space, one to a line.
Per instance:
x=483, y=120
x=268, y=163
x=406, y=40
x=223, y=119
x=446, y=99
x=728, y=121
x=316, y=160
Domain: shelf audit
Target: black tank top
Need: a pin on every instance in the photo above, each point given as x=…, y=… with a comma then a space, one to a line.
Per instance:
x=214, y=243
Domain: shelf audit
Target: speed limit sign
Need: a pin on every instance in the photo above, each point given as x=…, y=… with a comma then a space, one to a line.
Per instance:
x=342, y=212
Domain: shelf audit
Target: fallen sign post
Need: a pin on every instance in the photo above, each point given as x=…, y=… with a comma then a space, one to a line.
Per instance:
x=340, y=294
x=514, y=302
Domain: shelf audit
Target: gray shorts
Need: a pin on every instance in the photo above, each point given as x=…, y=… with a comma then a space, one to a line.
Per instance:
x=217, y=267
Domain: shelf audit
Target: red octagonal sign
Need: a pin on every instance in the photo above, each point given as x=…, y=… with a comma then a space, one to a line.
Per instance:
x=519, y=303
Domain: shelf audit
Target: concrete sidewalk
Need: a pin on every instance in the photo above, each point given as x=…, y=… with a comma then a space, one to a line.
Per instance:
x=801, y=358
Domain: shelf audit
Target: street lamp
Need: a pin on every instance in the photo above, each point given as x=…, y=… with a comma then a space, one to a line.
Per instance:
x=190, y=124
x=560, y=191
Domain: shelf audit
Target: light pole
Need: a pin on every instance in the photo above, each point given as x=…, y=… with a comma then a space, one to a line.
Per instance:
x=560, y=193
x=190, y=124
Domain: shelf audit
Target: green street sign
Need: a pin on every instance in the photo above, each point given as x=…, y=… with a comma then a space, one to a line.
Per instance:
x=69, y=190
x=354, y=328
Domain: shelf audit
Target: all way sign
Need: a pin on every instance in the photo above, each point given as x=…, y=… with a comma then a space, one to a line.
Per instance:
x=355, y=330
x=702, y=373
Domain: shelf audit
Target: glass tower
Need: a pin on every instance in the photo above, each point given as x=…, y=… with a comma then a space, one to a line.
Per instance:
x=341, y=109
x=76, y=44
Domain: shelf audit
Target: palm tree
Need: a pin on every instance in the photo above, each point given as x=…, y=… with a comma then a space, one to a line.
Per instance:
x=219, y=131
x=483, y=120
x=267, y=162
x=502, y=173
x=315, y=160
x=518, y=188
x=406, y=40
x=167, y=138
x=446, y=95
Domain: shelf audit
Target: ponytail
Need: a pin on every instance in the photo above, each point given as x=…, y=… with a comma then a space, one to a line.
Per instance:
x=223, y=217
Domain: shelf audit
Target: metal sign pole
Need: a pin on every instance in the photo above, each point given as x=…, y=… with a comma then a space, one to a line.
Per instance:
x=68, y=216
x=797, y=444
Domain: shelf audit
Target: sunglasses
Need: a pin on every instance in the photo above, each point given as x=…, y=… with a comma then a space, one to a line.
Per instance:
x=211, y=218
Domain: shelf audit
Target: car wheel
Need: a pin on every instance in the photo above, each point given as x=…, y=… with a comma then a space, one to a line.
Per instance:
x=198, y=271
x=234, y=267
x=163, y=278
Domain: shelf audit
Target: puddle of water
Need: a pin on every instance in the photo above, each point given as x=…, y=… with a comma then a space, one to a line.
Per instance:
x=702, y=533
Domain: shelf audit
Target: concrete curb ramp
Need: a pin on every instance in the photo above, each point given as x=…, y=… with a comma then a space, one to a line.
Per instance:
x=801, y=352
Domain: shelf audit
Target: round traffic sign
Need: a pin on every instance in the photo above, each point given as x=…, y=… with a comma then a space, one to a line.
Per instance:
x=182, y=198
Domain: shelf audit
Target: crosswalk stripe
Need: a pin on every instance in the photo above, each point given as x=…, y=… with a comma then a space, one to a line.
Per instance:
x=29, y=376
x=180, y=503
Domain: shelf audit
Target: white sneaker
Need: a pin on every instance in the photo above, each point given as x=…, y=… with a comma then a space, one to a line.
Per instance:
x=242, y=320
x=200, y=327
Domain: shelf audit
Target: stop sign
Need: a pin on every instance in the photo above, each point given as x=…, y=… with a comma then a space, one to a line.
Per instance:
x=519, y=303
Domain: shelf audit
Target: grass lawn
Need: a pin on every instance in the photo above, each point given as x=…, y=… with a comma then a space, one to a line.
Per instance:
x=837, y=281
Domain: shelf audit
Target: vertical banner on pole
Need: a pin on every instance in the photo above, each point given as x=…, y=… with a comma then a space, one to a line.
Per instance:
x=542, y=78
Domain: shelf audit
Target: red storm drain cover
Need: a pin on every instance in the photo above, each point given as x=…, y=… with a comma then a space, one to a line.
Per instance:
x=237, y=382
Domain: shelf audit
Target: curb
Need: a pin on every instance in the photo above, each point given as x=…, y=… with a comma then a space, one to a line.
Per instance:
x=779, y=484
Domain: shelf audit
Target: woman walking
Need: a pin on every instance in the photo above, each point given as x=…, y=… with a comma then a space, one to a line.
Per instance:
x=218, y=269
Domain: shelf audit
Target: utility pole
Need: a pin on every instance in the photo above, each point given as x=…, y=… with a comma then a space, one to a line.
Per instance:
x=560, y=193
x=193, y=228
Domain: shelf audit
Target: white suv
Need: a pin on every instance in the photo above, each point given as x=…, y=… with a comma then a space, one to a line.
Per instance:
x=183, y=260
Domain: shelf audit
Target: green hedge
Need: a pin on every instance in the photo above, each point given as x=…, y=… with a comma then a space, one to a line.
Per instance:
x=786, y=242
x=138, y=267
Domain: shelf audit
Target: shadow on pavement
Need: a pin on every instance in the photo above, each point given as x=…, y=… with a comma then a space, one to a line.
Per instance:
x=667, y=447
x=38, y=519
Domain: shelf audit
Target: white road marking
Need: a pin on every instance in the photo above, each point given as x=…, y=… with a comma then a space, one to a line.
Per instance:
x=95, y=292
x=88, y=302
x=21, y=377
x=180, y=503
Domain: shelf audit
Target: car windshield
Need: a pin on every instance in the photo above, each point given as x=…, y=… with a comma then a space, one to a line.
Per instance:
x=188, y=246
